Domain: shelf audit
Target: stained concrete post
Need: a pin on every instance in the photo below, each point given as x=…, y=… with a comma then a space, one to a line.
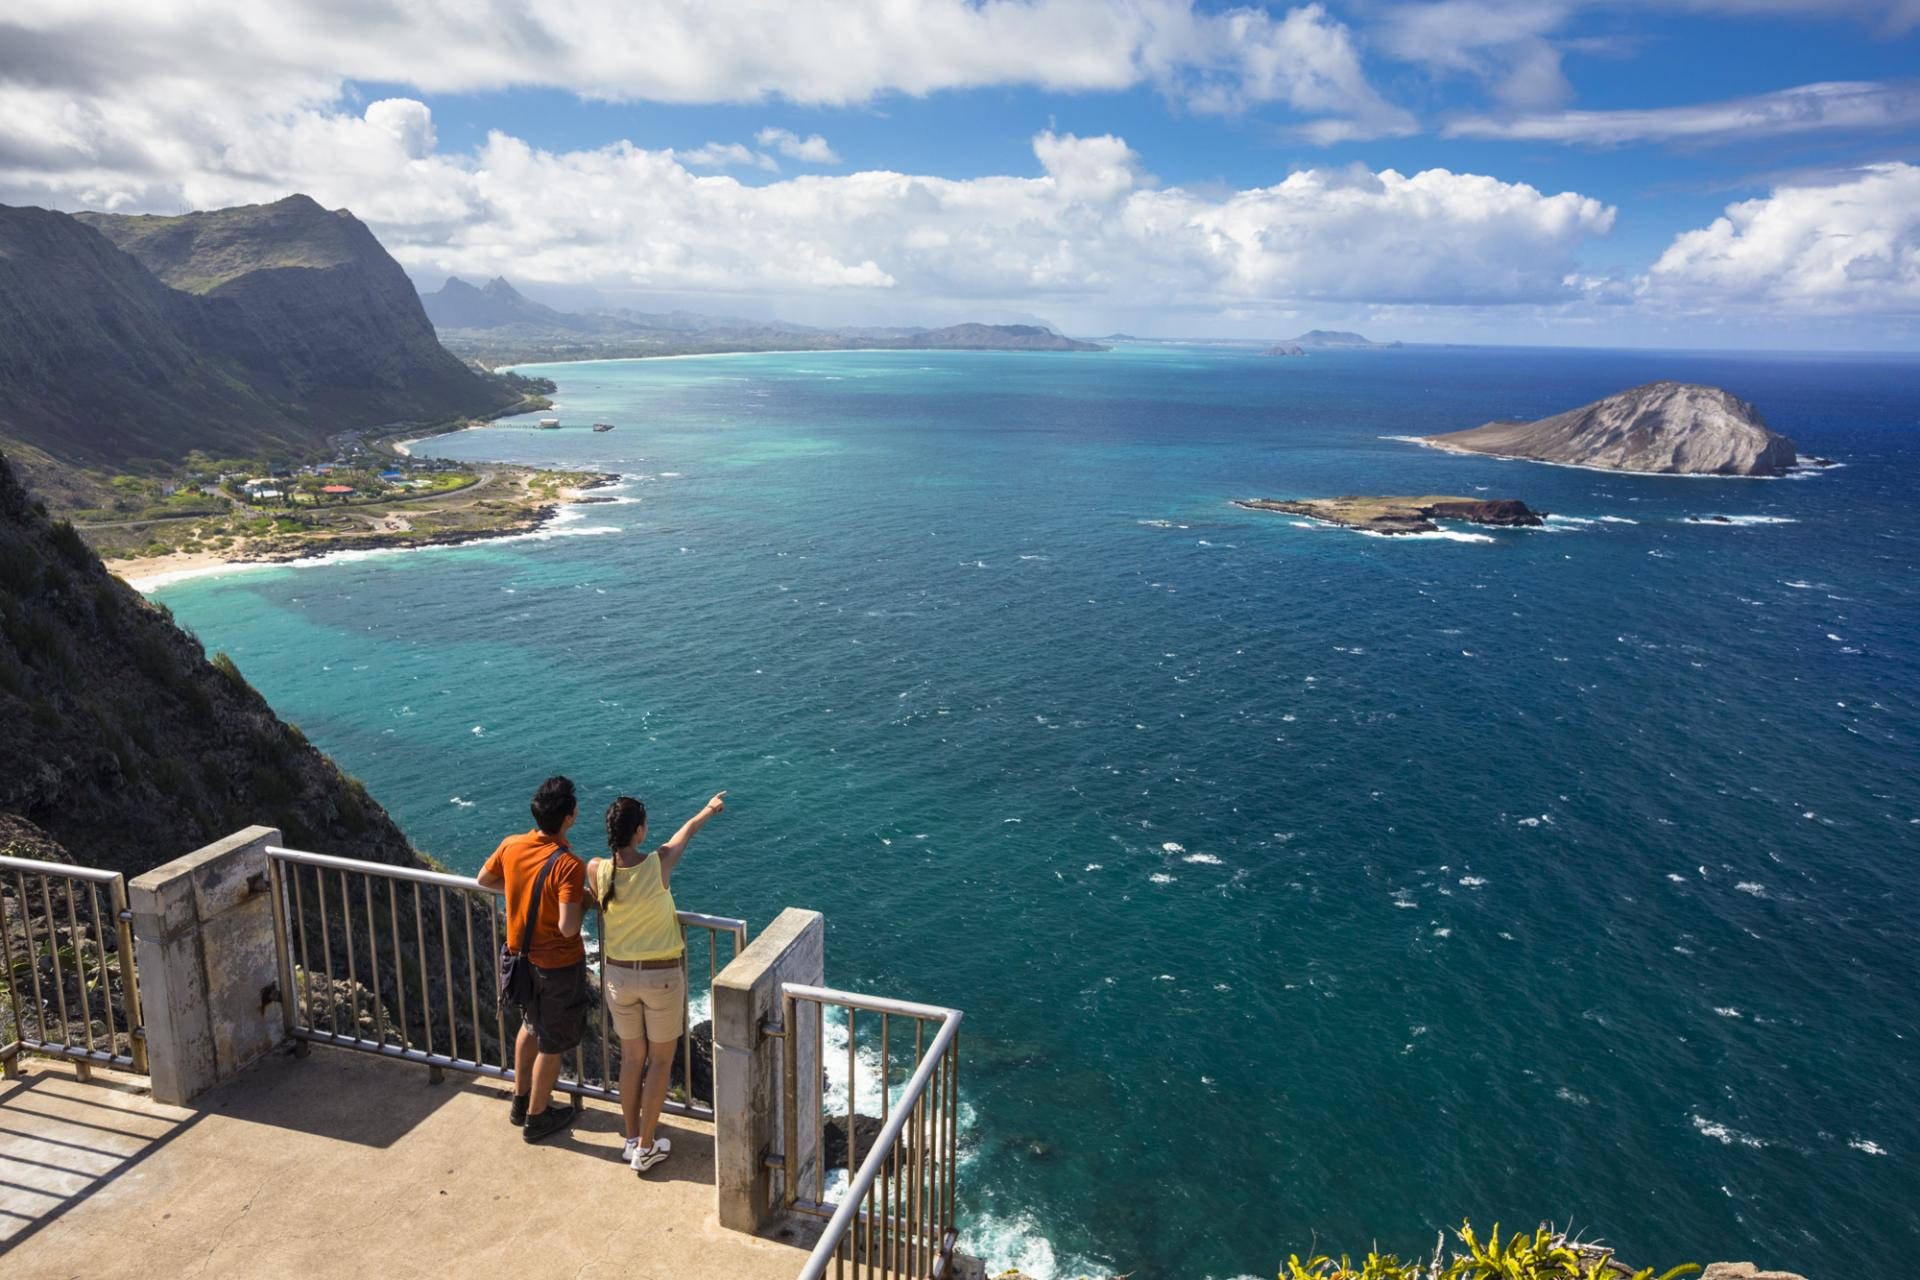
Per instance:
x=204, y=950
x=748, y=1110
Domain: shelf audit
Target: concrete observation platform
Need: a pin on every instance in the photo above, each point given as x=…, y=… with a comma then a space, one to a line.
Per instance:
x=339, y=1164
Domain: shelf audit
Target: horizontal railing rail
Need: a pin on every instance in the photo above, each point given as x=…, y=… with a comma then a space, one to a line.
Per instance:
x=895, y=1215
x=61, y=939
x=417, y=944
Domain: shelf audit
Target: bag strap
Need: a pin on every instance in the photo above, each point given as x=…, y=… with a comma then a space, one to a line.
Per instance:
x=533, y=906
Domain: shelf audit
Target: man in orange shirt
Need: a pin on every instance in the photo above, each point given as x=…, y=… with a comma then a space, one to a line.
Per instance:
x=555, y=1019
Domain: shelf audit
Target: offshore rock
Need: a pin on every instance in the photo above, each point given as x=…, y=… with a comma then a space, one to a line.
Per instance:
x=1390, y=515
x=1667, y=428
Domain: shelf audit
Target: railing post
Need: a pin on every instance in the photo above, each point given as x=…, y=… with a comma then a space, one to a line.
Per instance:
x=749, y=1118
x=204, y=951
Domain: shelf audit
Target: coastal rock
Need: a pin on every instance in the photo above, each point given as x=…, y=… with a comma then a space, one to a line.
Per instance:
x=1285, y=351
x=1744, y=1271
x=1668, y=428
x=1391, y=515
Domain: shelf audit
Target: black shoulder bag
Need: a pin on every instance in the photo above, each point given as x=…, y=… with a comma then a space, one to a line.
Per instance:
x=516, y=971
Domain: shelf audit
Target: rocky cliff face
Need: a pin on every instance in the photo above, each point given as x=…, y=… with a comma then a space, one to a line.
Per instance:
x=264, y=329
x=102, y=363
x=1672, y=428
x=123, y=742
x=310, y=305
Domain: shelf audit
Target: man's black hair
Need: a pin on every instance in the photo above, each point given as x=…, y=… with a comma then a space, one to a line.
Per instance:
x=552, y=803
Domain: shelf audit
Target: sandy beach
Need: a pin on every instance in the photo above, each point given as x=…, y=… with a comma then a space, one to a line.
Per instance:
x=148, y=573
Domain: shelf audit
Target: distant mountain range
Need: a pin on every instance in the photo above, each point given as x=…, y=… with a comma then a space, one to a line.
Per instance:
x=496, y=324
x=129, y=341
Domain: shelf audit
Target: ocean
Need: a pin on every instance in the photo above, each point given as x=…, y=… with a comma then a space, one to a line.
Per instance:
x=1301, y=888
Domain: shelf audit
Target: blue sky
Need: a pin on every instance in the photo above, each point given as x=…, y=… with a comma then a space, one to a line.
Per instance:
x=1155, y=165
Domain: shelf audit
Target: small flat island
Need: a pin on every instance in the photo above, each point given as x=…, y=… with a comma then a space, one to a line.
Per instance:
x=1390, y=515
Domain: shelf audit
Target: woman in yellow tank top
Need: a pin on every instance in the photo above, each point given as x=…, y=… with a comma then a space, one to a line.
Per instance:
x=643, y=969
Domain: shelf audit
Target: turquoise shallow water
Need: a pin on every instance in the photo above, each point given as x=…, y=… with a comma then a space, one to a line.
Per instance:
x=1293, y=881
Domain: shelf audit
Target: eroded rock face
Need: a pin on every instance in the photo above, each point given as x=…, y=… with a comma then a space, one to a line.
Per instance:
x=1744, y=1271
x=1670, y=428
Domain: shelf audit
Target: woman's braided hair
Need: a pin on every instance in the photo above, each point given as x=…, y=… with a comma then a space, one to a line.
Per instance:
x=624, y=817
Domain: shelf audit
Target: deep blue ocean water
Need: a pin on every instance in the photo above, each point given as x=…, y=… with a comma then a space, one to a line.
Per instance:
x=1295, y=883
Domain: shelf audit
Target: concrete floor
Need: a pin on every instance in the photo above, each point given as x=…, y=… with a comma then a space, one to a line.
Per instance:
x=340, y=1164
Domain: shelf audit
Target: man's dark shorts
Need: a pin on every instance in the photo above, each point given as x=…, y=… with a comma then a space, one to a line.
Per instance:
x=558, y=1011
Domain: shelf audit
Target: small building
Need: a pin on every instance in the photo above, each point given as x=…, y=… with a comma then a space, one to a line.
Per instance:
x=336, y=490
x=392, y=476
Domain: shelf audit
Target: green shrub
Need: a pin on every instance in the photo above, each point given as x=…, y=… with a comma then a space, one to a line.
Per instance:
x=1544, y=1255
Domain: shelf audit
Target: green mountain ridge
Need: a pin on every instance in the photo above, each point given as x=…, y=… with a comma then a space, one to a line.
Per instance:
x=127, y=342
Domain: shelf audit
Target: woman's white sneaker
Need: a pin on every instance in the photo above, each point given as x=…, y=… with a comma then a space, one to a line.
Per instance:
x=644, y=1158
x=628, y=1151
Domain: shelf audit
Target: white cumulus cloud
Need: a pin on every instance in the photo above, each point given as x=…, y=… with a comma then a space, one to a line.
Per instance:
x=829, y=52
x=1849, y=248
x=810, y=150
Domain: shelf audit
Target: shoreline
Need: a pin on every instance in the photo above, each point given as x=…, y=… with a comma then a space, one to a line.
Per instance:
x=147, y=574
x=1801, y=469
x=785, y=351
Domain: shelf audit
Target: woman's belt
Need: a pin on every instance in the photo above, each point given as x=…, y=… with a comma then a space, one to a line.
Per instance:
x=670, y=963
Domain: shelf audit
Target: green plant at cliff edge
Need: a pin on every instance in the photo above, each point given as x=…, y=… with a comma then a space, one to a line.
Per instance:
x=1544, y=1255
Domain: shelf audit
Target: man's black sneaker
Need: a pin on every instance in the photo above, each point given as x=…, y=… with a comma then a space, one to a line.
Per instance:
x=549, y=1122
x=517, y=1114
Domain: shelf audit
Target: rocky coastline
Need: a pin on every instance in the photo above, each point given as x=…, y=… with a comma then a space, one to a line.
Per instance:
x=147, y=571
x=1401, y=515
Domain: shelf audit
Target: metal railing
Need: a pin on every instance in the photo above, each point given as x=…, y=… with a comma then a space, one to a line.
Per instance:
x=414, y=945
x=895, y=1215
x=82, y=970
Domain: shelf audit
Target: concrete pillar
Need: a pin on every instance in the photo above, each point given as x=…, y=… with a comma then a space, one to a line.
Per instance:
x=748, y=1114
x=203, y=947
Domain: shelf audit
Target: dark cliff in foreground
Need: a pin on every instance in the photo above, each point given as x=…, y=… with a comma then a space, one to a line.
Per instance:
x=130, y=341
x=1670, y=428
x=123, y=742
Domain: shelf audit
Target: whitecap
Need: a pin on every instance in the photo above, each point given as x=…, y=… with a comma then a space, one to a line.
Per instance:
x=1617, y=520
x=1204, y=859
x=1676, y=877
x=1161, y=877
x=1473, y=882
x=1567, y=1095
x=479, y=731
x=1737, y=522
x=1867, y=1145
x=1721, y=1133
x=1753, y=887
x=1726, y=1011
x=1171, y=847
x=464, y=804
x=1096, y=866
x=1443, y=933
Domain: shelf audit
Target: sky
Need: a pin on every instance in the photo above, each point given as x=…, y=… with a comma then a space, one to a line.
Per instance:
x=1695, y=173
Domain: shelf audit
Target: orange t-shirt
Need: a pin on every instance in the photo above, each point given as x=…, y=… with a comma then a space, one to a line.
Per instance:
x=518, y=861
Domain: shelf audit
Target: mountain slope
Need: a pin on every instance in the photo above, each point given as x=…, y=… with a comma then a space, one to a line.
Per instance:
x=123, y=742
x=311, y=307
x=101, y=363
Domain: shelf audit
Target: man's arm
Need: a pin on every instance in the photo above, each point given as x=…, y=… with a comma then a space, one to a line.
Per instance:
x=491, y=878
x=573, y=898
x=670, y=851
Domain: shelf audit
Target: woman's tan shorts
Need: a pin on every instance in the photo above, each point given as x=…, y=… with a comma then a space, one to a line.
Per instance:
x=648, y=1004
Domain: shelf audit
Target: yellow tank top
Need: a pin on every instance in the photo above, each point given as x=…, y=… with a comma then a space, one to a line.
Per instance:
x=641, y=922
